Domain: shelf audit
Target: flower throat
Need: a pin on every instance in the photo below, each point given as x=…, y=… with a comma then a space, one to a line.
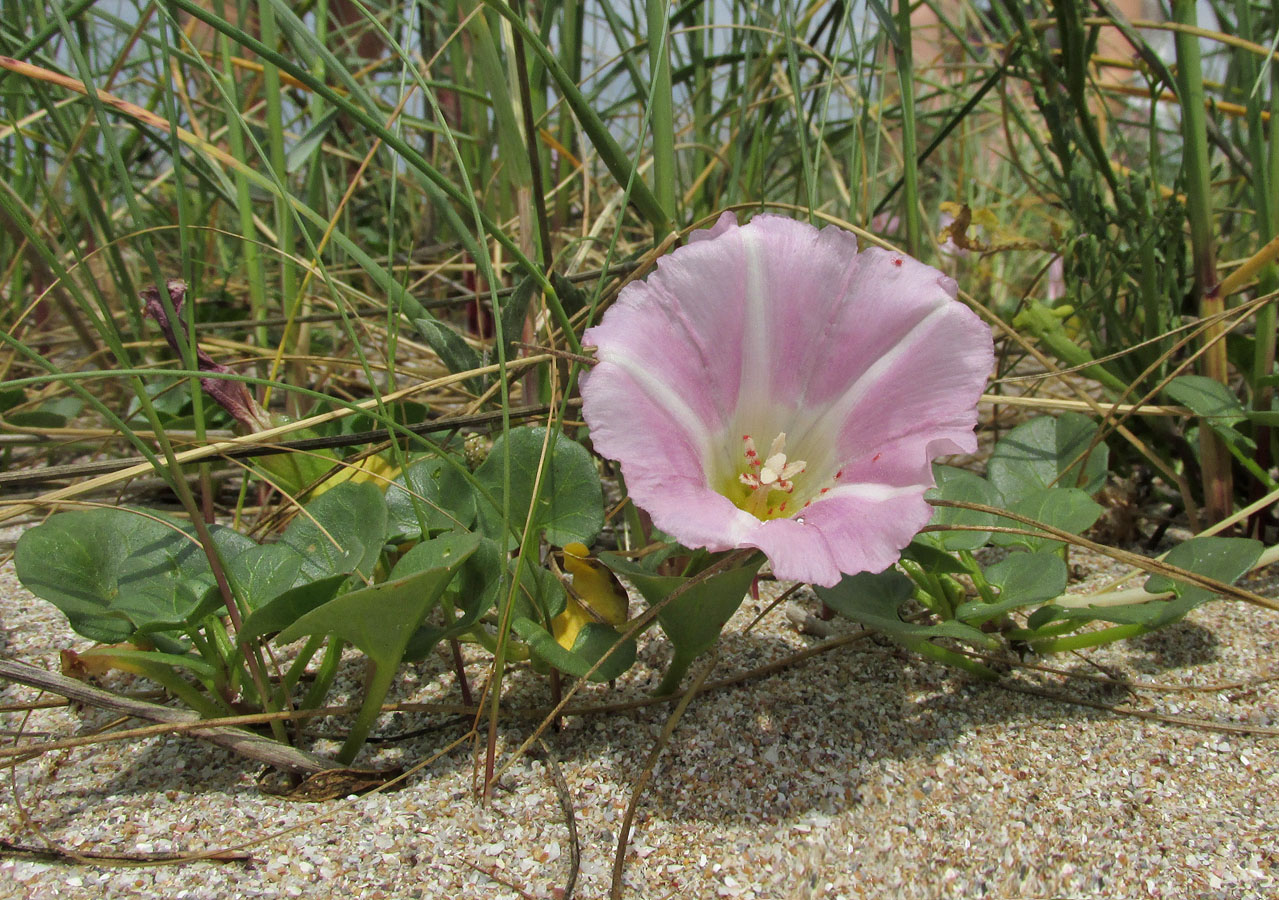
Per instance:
x=765, y=487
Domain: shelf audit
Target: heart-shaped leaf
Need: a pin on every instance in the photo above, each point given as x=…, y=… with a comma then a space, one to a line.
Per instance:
x=1215, y=404
x=471, y=594
x=264, y=572
x=382, y=618
x=1067, y=509
x=594, y=641
x=875, y=600
x=435, y=489
x=693, y=620
x=1207, y=398
x=283, y=610
x=1223, y=559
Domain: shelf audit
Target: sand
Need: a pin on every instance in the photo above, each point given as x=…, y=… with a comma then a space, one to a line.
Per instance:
x=861, y=772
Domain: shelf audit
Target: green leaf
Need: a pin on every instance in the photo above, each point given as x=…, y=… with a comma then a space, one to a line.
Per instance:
x=541, y=596
x=342, y=530
x=693, y=620
x=381, y=618
x=1067, y=509
x=1215, y=404
x=115, y=572
x=444, y=497
x=965, y=487
x=52, y=413
x=293, y=472
x=570, y=504
x=1037, y=455
x=1152, y=613
x=472, y=593
x=1023, y=579
x=11, y=397
x=593, y=642
x=287, y=607
x=456, y=354
x=1223, y=559
x=263, y=572
x=572, y=297
x=514, y=309
x=1207, y=398
x=875, y=601
x=933, y=560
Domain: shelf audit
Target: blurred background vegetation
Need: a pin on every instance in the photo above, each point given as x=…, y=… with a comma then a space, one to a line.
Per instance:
x=353, y=191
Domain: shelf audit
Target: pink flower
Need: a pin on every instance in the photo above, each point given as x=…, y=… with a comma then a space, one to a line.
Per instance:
x=769, y=386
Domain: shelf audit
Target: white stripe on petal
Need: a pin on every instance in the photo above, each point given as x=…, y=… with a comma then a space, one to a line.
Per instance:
x=664, y=396
x=756, y=379
x=870, y=490
x=838, y=412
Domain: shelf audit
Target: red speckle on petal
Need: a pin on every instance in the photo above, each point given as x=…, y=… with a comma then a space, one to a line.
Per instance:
x=782, y=508
x=839, y=474
x=876, y=457
x=898, y=262
x=823, y=490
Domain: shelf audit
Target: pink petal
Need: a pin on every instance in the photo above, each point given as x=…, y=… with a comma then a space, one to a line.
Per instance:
x=693, y=346
x=863, y=531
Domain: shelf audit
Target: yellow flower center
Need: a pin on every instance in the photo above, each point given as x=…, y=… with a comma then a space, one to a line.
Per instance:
x=764, y=487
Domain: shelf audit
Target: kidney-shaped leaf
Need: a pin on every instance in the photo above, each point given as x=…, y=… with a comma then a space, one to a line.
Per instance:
x=694, y=619
x=570, y=505
x=875, y=600
x=1206, y=397
x=116, y=572
x=341, y=530
x=381, y=618
x=1223, y=559
x=264, y=572
x=1042, y=453
x=1023, y=579
x=1066, y=509
x=283, y=610
x=967, y=487
x=594, y=642
x=434, y=488
x=470, y=595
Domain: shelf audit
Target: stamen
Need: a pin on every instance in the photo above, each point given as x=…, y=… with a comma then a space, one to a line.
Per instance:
x=764, y=476
x=778, y=445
